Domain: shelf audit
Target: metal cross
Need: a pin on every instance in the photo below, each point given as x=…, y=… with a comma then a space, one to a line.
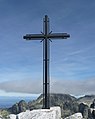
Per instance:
x=45, y=36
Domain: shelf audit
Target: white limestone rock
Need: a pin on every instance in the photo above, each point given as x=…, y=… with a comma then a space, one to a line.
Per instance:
x=0, y=117
x=75, y=116
x=12, y=116
x=52, y=113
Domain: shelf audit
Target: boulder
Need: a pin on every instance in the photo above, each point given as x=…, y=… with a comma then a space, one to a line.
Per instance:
x=93, y=114
x=84, y=110
x=93, y=104
x=52, y=113
x=12, y=116
x=0, y=116
x=75, y=116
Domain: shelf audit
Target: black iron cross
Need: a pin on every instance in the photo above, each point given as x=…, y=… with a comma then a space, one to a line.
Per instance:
x=45, y=36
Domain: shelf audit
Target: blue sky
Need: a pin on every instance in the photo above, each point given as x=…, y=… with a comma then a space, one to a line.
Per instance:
x=72, y=65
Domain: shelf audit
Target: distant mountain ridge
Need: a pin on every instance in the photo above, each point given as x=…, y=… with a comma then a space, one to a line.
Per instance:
x=69, y=104
x=8, y=101
x=87, y=99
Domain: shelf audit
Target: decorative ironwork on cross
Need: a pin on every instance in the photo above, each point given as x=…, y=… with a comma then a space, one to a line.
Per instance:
x=45, y=36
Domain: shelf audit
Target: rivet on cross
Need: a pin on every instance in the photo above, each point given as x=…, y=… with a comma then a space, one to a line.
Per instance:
x=45, y=36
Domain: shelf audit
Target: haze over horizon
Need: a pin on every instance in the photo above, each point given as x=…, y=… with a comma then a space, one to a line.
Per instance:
x=72, y=65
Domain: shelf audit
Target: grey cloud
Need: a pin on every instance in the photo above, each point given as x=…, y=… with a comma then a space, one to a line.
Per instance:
x=75, y=87
x=22, y=86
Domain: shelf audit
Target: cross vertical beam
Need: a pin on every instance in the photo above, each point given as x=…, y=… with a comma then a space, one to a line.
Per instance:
x=46, y=78
x=45, y=37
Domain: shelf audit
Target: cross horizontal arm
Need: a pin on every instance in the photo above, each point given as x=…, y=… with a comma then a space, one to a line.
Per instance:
x=34, y=36
x=48, y=36
x=58, y=36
